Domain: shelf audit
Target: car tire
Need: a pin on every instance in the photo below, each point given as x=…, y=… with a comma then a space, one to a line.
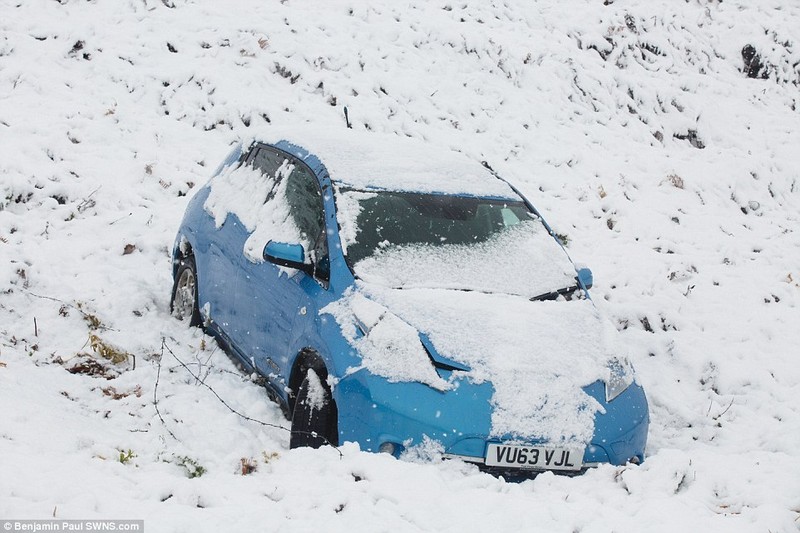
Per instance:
x=314, y=420
x=183, y=304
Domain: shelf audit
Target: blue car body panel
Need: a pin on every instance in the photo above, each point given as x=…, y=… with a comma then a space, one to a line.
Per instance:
x=267, y=315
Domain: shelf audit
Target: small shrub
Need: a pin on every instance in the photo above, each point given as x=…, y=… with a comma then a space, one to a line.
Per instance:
x=192, y=467
x=675, y=180
x=107, y=351
x=269, y=456
x=126, y=456
x=115, y=395
x=248, y=465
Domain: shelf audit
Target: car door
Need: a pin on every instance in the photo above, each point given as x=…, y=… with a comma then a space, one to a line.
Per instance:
x=268, y=296
x=223, y=263
x=225, y=244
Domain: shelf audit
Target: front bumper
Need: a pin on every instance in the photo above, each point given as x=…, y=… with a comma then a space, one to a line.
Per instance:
x=409, y=414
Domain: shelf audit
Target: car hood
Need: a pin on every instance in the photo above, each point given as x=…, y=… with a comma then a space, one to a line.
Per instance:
x=538, y=355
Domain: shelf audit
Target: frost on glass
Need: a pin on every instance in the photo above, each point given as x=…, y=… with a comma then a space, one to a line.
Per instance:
x=258, y=200
x=434, y=241
x=348, y=207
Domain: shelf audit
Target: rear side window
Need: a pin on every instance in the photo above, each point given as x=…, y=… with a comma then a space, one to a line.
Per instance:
x=272, y=165
x=300, y=193
x=266, y=160
x=276, y=198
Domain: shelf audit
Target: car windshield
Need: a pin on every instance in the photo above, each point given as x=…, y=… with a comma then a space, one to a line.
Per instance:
x=415, y=240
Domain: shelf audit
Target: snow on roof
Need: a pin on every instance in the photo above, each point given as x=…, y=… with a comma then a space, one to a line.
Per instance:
x=366, y=160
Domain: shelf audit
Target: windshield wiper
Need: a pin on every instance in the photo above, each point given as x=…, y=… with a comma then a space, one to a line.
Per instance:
x=555, y=294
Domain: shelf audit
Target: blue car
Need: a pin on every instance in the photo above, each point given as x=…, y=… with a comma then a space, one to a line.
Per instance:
x=407, y=299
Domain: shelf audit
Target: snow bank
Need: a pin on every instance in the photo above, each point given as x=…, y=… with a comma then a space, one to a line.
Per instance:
x=633, y=126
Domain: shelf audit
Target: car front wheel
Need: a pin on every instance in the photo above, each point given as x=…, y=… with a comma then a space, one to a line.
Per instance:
x=314, y=421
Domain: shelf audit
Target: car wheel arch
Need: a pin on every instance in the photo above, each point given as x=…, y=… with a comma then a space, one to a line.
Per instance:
x=183, y=250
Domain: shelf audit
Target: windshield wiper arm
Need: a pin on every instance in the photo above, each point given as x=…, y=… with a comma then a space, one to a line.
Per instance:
x=555, y=294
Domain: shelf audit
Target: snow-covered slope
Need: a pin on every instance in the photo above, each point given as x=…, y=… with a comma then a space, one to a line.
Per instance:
x=632, y=125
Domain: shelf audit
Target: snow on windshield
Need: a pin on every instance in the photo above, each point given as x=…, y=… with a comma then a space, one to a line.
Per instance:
x=523, y=260
x=243, y=191
x=537, y=355
x=436, y=241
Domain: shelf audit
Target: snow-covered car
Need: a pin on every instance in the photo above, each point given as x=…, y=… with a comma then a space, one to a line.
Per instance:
x=400, y=296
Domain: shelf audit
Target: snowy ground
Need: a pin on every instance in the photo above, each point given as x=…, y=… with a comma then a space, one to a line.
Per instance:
x=632, y=126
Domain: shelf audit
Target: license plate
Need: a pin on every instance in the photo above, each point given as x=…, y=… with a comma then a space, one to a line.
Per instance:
x=533, y=457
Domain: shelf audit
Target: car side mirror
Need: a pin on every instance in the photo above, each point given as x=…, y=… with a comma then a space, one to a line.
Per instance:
x=287, y=255
x=585, y=277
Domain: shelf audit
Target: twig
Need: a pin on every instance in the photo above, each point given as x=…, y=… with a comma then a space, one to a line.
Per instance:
x=155, y=393
x=35, y=328
x=71, y=306
x=87, y=202
x=726, y=409
x=204, y=364
x=120, y=218
x=206, y=385
x=231, y=409
x=46, y=297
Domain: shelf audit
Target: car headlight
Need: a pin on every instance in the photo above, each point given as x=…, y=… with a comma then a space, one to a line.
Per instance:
x=620, y=377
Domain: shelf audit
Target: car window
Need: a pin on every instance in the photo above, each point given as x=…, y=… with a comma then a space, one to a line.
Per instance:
x=304, y=199
x=301, y=192
x=402, y=219
x=419, y=240
x=295, y=187
x=305, y=202
x=277, y=198
x=268, y=162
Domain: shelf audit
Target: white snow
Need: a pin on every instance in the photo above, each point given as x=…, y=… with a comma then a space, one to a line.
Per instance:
x=243, y=191
x=388, y=346
x=523, y=260
x=348, y=207
x=537, y=355
x=316, y=392
x=362, y=159
x=113, y=113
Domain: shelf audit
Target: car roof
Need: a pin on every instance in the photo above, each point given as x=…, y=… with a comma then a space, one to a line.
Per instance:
x=369, y=160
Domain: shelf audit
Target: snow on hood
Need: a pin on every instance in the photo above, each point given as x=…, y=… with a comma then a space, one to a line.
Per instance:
x=537, y=355
x=388, y=346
